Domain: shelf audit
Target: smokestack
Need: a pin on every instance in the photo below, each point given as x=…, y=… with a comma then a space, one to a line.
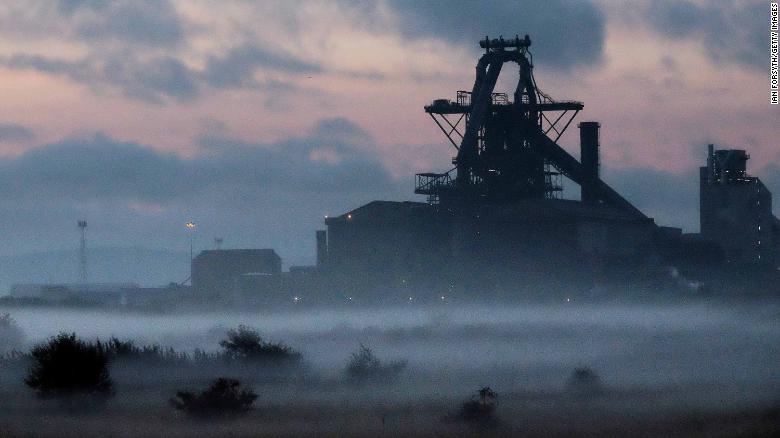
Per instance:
x=322, y=248
x=710, y=163
x=589, y=159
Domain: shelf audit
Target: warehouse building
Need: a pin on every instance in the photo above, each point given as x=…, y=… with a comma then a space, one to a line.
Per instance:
x=236, y=274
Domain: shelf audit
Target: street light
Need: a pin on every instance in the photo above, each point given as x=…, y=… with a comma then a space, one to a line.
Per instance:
x=191, y=228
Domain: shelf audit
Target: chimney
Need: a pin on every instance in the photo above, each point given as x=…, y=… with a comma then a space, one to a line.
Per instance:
x=589, y=159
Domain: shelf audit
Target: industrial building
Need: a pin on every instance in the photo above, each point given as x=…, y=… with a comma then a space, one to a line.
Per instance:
x=736, y=210
x=496, y=224
x=496, y=219
x=239, y=274
x=86, y=293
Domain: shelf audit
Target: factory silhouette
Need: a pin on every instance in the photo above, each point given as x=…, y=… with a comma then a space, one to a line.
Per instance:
x=496, y=226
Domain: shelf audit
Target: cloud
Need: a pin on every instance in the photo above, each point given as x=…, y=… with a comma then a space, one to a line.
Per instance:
x=156, y=79
x=99, y=168
x=144, y=49
x=237, y=67
x=564, y=34
x=76, y=70
x=159, y=78
x=730, y=31
x=92, y=168
x=145, y=22
x=70, y=6
x=252, y=194
x=340, y=129
x=151, y=24
x=13, y=133
x=152, y=80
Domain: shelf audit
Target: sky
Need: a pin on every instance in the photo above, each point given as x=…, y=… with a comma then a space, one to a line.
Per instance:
x=257, y=119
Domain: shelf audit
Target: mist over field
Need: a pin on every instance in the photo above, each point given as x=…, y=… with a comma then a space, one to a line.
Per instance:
x=657, y=364
x=648, y=344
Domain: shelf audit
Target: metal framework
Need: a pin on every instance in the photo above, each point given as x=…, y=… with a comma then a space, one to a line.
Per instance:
x=82, y=224
x=506, y=148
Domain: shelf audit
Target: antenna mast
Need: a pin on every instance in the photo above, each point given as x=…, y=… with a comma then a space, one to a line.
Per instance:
x=83, y=252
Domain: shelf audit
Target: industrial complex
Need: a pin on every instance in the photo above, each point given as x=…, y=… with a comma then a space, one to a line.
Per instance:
x=496, y=225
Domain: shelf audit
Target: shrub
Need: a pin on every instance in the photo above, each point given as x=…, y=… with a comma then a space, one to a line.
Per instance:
x=118, y=348
x=364, y=364
x=245, y=343
x=67, y=365
x=480, y=408
x=127, y=350
x=222, y=398
x=11, y=335
x=584, y=380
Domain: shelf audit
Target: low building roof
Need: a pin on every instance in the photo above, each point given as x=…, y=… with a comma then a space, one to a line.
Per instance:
x=238, y=253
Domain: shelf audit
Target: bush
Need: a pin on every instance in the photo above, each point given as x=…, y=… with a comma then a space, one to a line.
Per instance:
x=245, y=343
x=480, y=408
x=11, y=335
x=584, y=380
x=222, y=398
x=127, y=350
x=364, y=364
x=67, y=365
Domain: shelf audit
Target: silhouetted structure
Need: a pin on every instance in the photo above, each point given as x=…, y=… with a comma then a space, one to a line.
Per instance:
x=504, y=152
x=82, y=224
x=736, y=209
x=86, y=293
x=496, y=219
x=224, y=272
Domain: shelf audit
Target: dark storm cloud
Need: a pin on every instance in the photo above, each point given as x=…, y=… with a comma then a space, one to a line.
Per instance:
x=564, y=34
x=13, y=133
x=236, y=68
x=731, y=31
x=102, y=169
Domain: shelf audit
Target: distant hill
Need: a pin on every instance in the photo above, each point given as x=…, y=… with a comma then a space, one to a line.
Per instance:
x=147, y=267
